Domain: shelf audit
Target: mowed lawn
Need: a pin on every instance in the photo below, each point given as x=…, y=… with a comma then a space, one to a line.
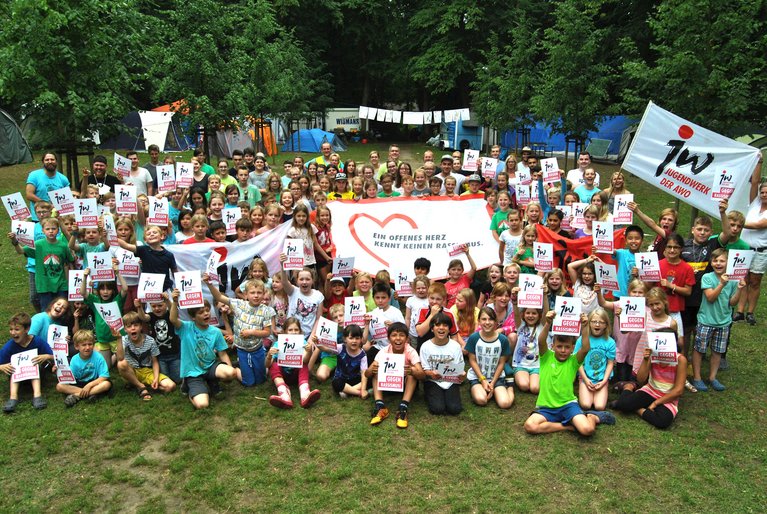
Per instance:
x=124, y=455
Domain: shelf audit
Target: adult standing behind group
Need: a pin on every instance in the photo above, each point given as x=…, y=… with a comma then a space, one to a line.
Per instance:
x=138, y=176
x=98, y=177
x=755, y=234
x=42, y=181
x=324, y=159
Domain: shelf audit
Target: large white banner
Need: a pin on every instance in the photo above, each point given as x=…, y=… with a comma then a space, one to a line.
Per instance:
x=686, y=160
x=392, y=233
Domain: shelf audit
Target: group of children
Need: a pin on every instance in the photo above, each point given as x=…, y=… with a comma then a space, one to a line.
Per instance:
x=462, y=328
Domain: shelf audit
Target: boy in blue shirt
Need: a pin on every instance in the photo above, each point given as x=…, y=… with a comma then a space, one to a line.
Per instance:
x=200, y=344
x=22, y=341
x=89, y=369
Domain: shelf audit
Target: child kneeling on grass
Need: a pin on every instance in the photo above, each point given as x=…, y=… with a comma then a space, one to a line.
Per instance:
x=22, y=341
x=397, y=334
x=557, y=407
x=443, y=395
x=200, y=344
x=137, y=360
x=89, y=369
x=349, y=378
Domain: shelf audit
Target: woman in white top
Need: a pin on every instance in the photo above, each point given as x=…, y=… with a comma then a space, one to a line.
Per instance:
x=755, y=234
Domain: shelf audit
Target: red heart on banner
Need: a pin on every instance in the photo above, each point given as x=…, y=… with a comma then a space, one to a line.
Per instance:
x=381, y=224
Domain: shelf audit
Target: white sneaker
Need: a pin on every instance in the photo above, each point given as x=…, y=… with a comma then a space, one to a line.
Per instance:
x=343, y=395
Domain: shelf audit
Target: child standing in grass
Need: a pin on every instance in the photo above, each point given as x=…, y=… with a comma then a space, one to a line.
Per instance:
x=714, y=318
x=442, y=396
x=415, y=304
x=397, y=335
x=557, y=407
x=89, y=369
x=105, y=292
x=21, y=341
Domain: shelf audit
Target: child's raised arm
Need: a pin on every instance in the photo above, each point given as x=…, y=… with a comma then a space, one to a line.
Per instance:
x=217, y=296
x=543, y=345
x=634, y=207
x=120, y=279
x=140, y=312
x=585, y=341
x=601, y=298
x=286, y=285
x=15, y=243
x=174, y=309
x=126, y=246
x=473, y=265
x=83, y=286
x=573, y=267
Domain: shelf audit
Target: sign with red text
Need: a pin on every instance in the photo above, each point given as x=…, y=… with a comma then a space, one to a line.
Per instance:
x=24, y=232
x=111, y=315
x=127, y=263
x=543, y=256
x=403, y=282
x=125, y=199
x=523, y=177
x=294, y=251
x=184, y=174
x=327, y=332
x=230, y=216
x=451, y=372
x=530, y=294
x=738, y=262
x=16, y=207
x=100, y=264
x=391, y=372
x=64, y=373
x=211, y=268
x=86, y=213
x=567, y=319
x=633, y=314
x=683, y=159
x=149, y=287
x=603, y=236
x=290, y=350
x=63, y=201
x=724, y=185
x=159, y=211
x=488, y=165
x=648, y=266
x=523, y=195
x=110, y=229
x=578, y=221
x=122, y=165
x=663, y=347
x=343, y=266
x=470, y=160
x=189, y=284
x=23, y=367
x=606, y=275
x=622, y=215
x=166, y=178
x=550, y=170
x=567, y=212
x=75, y=283
x=354, y=311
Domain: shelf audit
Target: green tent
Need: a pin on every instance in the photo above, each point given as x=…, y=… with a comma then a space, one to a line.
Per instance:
x=14, y=149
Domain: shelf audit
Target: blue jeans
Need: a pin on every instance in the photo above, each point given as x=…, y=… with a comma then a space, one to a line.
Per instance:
x=252, y=366
x=170, y=366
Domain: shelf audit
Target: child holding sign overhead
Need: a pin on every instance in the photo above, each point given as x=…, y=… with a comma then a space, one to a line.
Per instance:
x=398, y=373
x=283, y=375
x=22, y=341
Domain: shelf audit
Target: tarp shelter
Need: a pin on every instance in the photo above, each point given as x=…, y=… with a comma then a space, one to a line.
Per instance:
x=612, y=128
x=14, y=149
x=311, y=140
x=144, y=128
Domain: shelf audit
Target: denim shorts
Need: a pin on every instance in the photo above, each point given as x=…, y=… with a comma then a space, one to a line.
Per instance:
x=563, y=414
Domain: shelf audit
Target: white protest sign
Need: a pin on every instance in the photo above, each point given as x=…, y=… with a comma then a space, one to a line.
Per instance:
x=603, y=237
x=100, y=264
x=57, y=334
x=16, y=207
x=122, y=165
x=457, y=249
x=578, y=221
x=61, y=360
x=166, y=178
x=189, y=284
x=607, y=275
x=450, y=371
x=488, y=166
x=110, y=229
x=127, y=263
x=24, y=232
x=567, y=212
x=159, y=211
x=403, y=282
x=230, y=216
x=391, y=372
x=343, y=266
x=75, y=284
x=294, y=251
x=550, y=170
x=738, y=262
x=23, y=367
x=327, y=331
x=567, y=319
x=470, y=160
x=63, y=201
x=354, y=311
x=682, y=158
x=523, y=195
x=530, y=294
x=648, y=266
x=622, y=215
x=86, y=213
x=378, y=330
x=125, y=199
x=633, y=314
x=149, y=287
x=211, y=268
x=184, y=174
x=663, y=347
x=543, y=256
x=523, y=177
x=290, y=352
x=724, y=185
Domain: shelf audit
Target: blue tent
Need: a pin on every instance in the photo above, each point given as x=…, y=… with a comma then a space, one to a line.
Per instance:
x=611, y=128
x=305, y=140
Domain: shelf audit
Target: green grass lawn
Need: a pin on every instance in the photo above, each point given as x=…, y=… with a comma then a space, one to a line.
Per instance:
x=124, y=455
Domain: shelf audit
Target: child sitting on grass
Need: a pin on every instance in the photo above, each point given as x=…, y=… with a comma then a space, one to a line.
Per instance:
x=443, y=395
x=89, y=369
x=557, y=407
x=22, y=341
x=137, y=360
x=282, y=376
x=349, y=378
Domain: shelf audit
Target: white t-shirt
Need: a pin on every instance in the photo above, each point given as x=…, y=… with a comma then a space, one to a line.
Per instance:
x=140, y=180
x=458, y=181
x=306, y=237
x=576, y=178
x=433, y=355
x=755, y=238
x=304, y=308
x=512, y=244
x=415, y=305
x=377, y=318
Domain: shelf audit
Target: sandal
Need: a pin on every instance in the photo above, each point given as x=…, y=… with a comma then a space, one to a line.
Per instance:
x=688, y=385
x=144, y=395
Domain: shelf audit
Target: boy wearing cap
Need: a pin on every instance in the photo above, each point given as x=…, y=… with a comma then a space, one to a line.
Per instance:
x=335, y=291
x=341, y=189
x=474, y=182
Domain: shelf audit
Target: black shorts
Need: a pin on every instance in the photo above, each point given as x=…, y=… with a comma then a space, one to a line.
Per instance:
x=194, y=386
x=690, y=316
x=339, y=383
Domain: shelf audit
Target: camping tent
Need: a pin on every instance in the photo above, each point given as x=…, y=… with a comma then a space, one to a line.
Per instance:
x=305, y=140
x=144, y=128
x=246, y=135
x=14, y=149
